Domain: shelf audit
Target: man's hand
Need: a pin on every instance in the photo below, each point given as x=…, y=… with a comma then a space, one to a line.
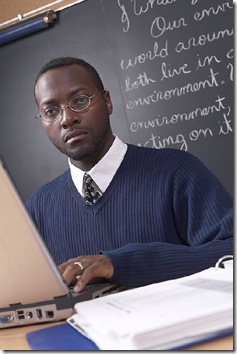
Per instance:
x=94, y=267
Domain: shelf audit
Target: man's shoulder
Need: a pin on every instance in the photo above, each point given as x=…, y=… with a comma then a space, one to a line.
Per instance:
x=54, y=186
x=166, y=153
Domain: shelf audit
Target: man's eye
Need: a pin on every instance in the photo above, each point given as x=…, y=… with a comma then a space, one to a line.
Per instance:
x=80, y=101
x=52, y=111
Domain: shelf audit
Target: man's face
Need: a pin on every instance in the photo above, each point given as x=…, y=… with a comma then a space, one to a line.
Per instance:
x=82, y=136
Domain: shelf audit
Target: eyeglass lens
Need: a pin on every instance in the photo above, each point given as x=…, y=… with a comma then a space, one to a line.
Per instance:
x=77, y=104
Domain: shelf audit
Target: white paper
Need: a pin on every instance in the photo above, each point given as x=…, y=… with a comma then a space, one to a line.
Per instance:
x=160, y=313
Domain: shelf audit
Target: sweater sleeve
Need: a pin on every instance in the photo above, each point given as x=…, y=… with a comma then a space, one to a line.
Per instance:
x=203, y=214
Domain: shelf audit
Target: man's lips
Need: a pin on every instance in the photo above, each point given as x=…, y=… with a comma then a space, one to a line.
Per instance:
x=74, y=135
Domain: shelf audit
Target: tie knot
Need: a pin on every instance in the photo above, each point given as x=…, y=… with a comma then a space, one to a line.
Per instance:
x=90, y=190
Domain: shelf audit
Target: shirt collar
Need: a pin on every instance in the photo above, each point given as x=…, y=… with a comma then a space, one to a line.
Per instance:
x=104, y=171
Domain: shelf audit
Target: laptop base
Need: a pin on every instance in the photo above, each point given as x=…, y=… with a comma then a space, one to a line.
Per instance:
x=55, y=310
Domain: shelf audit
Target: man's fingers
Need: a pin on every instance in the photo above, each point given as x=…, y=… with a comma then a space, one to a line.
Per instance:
x=83, y=270
x=89, y=276
x=101, y=268
x=71, y=272
x=62, y=267
x=81, y=283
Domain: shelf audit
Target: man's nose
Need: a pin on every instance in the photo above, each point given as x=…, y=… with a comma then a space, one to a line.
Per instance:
x=68, y=116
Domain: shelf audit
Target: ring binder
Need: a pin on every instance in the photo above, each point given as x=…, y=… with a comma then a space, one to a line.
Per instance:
x=222, y=259
x=125, y=320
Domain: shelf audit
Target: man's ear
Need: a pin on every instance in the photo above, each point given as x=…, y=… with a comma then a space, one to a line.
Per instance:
x=109, y=107
x=108, y=102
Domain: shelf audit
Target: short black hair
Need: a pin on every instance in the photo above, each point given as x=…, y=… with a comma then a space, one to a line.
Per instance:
x=68, y=61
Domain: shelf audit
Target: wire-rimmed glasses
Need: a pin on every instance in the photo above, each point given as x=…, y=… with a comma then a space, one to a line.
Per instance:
x=77, y=104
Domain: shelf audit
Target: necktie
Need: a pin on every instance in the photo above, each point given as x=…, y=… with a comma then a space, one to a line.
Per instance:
x=90, y=190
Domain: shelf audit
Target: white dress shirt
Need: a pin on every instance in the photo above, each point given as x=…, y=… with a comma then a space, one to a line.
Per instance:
x=103, y=172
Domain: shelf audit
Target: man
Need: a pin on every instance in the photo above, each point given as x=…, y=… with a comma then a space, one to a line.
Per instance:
x=161, y=214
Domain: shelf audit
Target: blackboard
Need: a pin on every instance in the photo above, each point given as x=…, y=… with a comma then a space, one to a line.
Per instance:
x=174, y=60
x=167, y=63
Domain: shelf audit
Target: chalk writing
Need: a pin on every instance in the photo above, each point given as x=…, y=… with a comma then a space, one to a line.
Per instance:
x=168, y=73
x=157, y=142
x=124, y=17
x=141, y=81
x=200, y=15
x=225, y=127
x=231, y=67
x=177, y=72
x=193, y=2
x=181, y=117
x=207, y=61
x=230, y=54
x=159, y=26
x=178, y=91
x=195, y=134
x=203, y=39
x=156, y=52
x=148, y=5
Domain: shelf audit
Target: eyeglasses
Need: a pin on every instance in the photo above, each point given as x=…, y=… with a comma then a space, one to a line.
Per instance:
x=77, y=104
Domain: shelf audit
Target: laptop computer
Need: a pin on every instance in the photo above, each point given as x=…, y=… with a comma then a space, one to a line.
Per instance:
x=32, y=288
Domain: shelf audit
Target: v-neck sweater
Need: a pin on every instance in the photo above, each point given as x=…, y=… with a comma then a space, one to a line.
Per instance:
x=163, y=216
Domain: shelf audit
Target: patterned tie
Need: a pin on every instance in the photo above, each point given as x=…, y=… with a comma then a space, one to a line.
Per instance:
x=90, y=190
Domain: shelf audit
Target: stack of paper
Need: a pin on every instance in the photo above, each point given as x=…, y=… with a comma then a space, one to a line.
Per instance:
x=160, y=316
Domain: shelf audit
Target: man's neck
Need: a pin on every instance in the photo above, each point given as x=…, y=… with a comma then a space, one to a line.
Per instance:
x=88, y=163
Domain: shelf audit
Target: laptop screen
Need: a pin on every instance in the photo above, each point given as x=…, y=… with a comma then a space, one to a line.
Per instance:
x=27, y=272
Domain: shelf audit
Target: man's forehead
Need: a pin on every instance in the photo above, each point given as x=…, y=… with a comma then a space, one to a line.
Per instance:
x=66, y=76
x=65, y=71
x=48, y=89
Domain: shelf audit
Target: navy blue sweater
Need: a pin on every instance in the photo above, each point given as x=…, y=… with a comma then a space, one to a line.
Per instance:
x=163, y=216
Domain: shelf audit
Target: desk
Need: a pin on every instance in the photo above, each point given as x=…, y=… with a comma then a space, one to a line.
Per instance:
x=14, y=339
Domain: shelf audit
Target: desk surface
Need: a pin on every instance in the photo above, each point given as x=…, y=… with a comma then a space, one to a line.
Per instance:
x=14, y=339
